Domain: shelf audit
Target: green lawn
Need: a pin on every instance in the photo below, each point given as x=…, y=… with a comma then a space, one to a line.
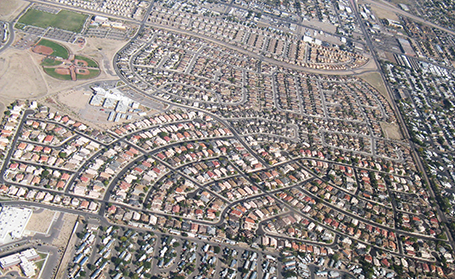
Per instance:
x=59, y=50
x=52, y=73
x=50, y=62
x=93, y=73
x=65, y=20
x=91, y=63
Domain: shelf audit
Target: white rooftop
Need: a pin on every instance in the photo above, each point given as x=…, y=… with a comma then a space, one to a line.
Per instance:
x=13, y=221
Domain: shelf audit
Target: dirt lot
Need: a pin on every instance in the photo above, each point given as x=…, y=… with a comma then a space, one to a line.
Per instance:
x=66, y=230
x=391, y=131
x=375, y=80
x=19, y=76
x=64, y=240
x=40, y=221
x=382, y=13
x=10, y=9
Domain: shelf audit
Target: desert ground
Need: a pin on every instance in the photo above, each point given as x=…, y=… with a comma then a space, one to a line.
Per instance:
x=10, y=9
x=382, y=13
x=375, y=80
x=22, y=77
x=41, y=221
x=391, y=131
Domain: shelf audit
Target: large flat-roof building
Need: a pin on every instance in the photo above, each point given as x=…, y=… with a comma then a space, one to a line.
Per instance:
x=13, y=221
x=24, y=259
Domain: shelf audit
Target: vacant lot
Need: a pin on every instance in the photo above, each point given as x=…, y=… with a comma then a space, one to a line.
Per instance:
x=58, y=50
x=41, y=221
x=65, y=20
x=9, y=9
x=20, y=77
x=391, y=131
x=375, y=80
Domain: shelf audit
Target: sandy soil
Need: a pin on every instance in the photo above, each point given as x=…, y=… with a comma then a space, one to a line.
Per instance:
x=10, y=9
x=65, y=239
x=66, y=230
x=382, y=13
x=375, y=80
x=75, y=103
x=391, y=131
x=324, y=26
x=20, y=78
x=2, y=109
x=370, y=65
x=390, y=57
x=40, y=222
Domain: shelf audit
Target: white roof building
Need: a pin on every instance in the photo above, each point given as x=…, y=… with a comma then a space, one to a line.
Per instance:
x=13, y=221
x=15, y=259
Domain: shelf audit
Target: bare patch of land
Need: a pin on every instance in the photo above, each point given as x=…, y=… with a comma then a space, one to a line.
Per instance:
x=391, y=131
x=40, y=221
x=375, y=80
x=390, y=57
x=75, y=99
x=10, y=9
x=20, y=78
x=66, y=241
x=382, y=13
x=2, y=108
x=65, y=231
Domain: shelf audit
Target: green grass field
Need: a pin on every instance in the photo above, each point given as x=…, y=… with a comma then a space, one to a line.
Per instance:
x=52, y=73
x=65, y=20
x=59, y=50
x=50, y=62
x=91, y=63
x=93, y=73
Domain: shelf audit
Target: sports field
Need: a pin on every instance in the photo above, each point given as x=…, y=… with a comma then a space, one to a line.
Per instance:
x=52, y=72
x=91, y=74
x=50, y=62
x=58, y=49
x=65, y=20
x=90, y=62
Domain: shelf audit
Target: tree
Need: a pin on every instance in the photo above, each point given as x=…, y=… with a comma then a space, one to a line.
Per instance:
x=147, y=265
